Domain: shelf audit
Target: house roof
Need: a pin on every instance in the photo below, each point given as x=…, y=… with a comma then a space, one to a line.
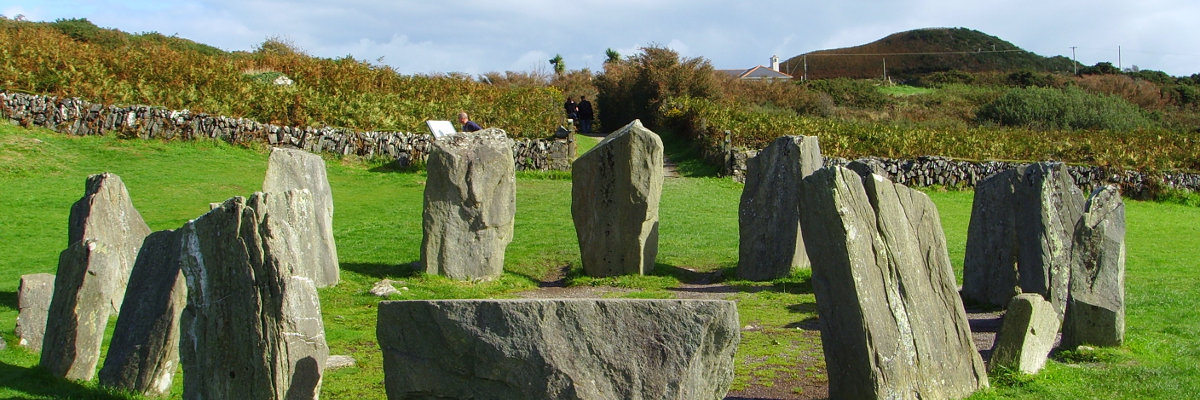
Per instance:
x=759, y=72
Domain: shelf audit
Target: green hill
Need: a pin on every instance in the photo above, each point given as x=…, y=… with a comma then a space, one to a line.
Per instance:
x=922, y=51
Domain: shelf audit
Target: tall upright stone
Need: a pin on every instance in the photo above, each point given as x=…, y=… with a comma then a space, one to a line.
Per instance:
x=470, y=205
x=1096, y=310
x=252, y=325
x=144, y=352
x=892, y=325
x=1027, y=335
x=33, y=303
x=771, y=245
x=104, y=235
x=558, y=349
x=1020, y=234
x=289, y=169
x=615, y=191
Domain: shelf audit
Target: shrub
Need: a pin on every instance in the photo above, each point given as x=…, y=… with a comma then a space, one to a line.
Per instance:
x=1071, y=108
x=851, y=92
x=943, y=78
x=1144, y=93
x=636, y=87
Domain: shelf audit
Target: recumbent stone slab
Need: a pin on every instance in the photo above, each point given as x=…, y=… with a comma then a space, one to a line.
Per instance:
x=558, y=349
x=33, y=303
x=892, y=324
x=144, y=352
x=1020, y=234
x=252, y=325
x=1027, y=334
x=289, y=169
x=615, y=191
x=104, y=235
x=1096, y=309
x=470, y=205
x=771, y=245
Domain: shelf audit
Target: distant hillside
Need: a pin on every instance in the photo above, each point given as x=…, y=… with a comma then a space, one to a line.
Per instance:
x=937, y=49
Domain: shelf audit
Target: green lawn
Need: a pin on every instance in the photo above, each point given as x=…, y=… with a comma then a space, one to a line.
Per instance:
x=377, y=226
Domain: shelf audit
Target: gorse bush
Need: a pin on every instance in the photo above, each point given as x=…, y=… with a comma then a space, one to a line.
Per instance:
x=636, y=87
x=74, y=58
x=1070, y=108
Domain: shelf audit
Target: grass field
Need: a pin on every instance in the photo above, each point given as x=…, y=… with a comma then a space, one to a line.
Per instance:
x=377, y=226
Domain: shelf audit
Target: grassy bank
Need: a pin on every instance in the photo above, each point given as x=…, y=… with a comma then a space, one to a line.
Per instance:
x=377, y=226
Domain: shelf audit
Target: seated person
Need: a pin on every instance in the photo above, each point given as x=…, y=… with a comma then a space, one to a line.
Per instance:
x=467, y=124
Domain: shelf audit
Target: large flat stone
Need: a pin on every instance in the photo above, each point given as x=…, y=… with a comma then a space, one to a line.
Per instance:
x=615, y=191
x=892, y=325
x=558, y=349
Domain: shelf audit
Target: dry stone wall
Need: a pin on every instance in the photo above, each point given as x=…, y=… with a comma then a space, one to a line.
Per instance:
x=944, y=171
x=79, y=117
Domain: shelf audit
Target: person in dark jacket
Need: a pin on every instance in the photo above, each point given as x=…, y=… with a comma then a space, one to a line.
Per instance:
x=586, y=115
x=467, y=124
x=570, y=108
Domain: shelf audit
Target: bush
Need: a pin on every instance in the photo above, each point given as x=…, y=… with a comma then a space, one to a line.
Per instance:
x=943, y=78
x=851, y=92
x=1071, y=108
x=635, y=88
x=1145, y=94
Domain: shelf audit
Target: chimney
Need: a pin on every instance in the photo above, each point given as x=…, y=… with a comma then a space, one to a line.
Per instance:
x=775, y=63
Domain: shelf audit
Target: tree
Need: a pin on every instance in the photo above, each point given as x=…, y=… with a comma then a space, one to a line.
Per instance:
x=559, y=66
x=613, y=56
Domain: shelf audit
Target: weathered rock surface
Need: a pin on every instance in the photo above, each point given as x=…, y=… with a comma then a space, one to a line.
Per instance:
x=144, y=352
x=339, y=361
x=384, y=288
x=289, y=169
x=771, y=244
x=1027, y=334
x=104, y=235
x=615, y=191
x=1019, y=238
x=892, y=325
x=252, y=325
x=1096, y=310
x=558, y=349
x=470, y=205
x=33, y=303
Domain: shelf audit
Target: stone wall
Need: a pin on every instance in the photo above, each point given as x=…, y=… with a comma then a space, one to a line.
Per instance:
x=933, y=170
x=78, y=117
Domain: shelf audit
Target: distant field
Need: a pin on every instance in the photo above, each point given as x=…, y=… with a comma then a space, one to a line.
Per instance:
x=377, y=226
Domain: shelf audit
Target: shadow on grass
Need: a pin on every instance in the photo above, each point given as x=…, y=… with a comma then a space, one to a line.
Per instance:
x=8, y=299
x=808, y=324
x=380, y=270
x=395, y=166
x=37, y=382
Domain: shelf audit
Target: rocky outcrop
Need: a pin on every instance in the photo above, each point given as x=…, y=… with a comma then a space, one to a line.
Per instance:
x=558, y=349
x=1096, y=310
x=470, y=205
x=33, y=303
x=252, y=325
x=1020, y=234
x=144, y=352
x=104, y=235
x=1027, y=334
x=892, y=325
x=289, y=169
x=615, y=191
x=771, y=244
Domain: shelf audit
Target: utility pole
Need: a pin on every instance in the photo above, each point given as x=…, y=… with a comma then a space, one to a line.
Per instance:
x=1076, y=63
x=885, y=69
x=805, y=79
x=1119, y=69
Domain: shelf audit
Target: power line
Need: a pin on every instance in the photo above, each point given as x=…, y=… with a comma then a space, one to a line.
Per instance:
x=912, y=54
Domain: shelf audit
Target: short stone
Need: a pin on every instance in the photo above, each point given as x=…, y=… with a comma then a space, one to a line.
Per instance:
x=1027, y=334
x=33, y=303
x=384, y=288
x=558, y=349
x=339, y=361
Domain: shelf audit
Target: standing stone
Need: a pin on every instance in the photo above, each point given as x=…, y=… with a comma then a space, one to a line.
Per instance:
x=289, y=169
x=144, y=352
x=470, y=205
x=615, y=191
x=33, y=303
x=105, y=233
x=769, y=217
x=892, y=323
x=558, y=349
x=252, y=325
x=1027, y=334
x=1020, y=234
x=1096, y=310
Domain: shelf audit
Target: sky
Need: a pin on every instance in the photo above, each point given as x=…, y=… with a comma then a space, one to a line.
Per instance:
x=480, y=36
